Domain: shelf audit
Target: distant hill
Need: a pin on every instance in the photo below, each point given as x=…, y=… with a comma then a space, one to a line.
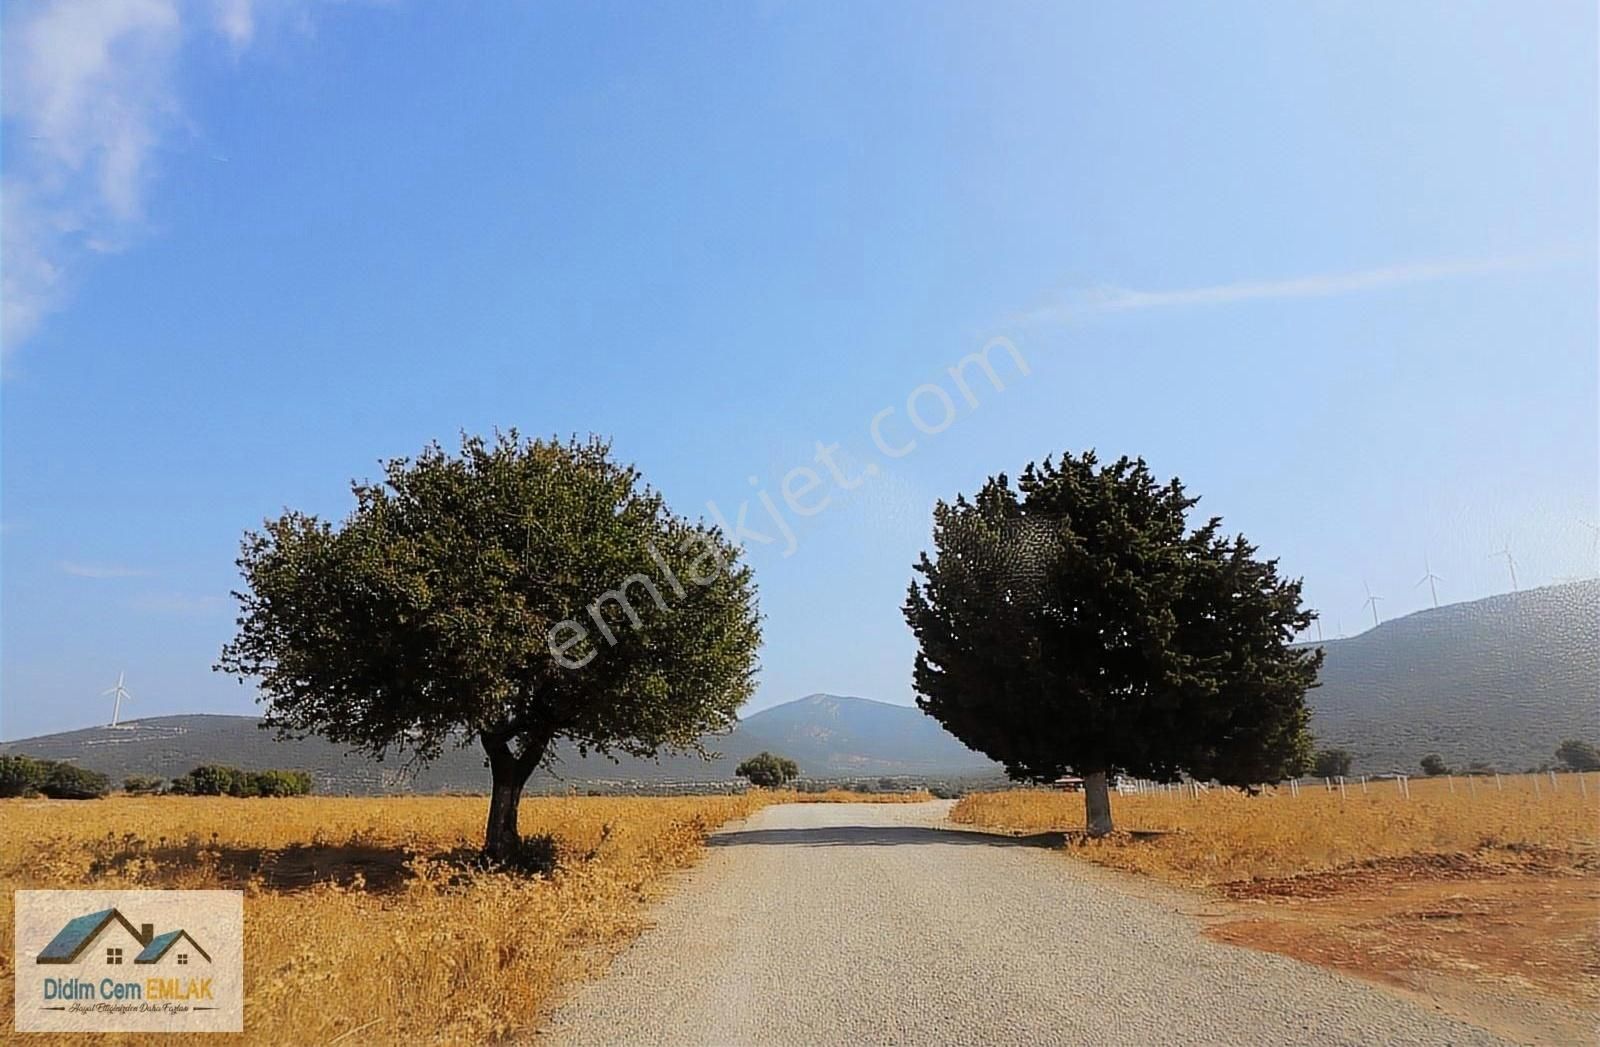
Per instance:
x=1501, y=680
x=827, y=735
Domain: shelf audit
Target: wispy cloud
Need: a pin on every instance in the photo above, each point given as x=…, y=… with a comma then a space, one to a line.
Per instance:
x=102, y=570
x=180, y=603
x=90, y=98
x=1111, y=299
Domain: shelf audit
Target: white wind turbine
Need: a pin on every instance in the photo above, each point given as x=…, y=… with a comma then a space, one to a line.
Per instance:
x=1511, y=562
x=1372, y=602
x=1430, y=578
x=121, y=692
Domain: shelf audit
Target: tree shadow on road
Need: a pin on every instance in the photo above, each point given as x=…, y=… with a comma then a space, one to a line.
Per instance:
x=880, y=836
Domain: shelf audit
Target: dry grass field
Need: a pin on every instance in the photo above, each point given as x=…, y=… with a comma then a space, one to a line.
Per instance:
x=332, y=883
x=1465, y=880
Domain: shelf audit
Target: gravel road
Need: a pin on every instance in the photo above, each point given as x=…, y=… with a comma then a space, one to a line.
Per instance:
x=879, y=923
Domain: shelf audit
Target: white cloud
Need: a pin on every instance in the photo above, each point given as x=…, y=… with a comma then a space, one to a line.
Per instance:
x=1107, y=299
x=93, y=570
x=179, y=603
x=89, y=99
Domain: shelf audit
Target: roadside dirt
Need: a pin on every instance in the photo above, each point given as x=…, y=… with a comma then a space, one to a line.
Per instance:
x=1510, y=937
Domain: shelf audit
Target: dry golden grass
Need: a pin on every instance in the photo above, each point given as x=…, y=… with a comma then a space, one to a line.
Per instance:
x=1225, y=835
x=359, y=919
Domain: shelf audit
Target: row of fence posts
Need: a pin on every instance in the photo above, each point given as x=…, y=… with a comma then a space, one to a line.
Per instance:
x=1402, y=785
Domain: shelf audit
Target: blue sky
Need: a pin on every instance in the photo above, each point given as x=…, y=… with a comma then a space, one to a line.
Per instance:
x=1333, y=264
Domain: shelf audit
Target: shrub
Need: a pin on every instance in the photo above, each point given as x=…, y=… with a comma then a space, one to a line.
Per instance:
x=1433, y=765
x=280, y=783
x=21, y=775
x=768, y=771
x=1578, y=755
x=215, y=779
x=141, y=784
x=1331, y=763
x=65, y=781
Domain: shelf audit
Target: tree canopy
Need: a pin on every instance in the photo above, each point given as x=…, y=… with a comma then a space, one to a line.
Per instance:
x=515, y=593
x=1578, y=755
x=1331, y=763
x=1074, y=622
x=768, y=770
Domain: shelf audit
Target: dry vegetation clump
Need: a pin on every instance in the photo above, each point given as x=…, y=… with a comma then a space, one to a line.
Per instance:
x=1224, y=835
x=366, y=916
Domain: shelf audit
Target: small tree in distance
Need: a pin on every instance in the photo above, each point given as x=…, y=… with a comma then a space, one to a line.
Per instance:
x=1433, y=765
x=1074, y=622
x=1578, y=755
x=768, y=771
x=1331, y=763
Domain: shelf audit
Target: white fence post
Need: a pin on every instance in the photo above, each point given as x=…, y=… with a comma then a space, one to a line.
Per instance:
x=1498, y=784
x=1554, y=785
x=1341, y=787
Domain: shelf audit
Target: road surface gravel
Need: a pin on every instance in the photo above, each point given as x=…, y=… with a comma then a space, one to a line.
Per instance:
x=813, y=924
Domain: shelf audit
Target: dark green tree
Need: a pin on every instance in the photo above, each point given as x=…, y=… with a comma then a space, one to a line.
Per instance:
x=516, y=593
x=142, y=784
x=768, y=771
x=1075, y=623
x=1330, y=763
x=21, y=775
x=1433, y=765
x=1578, y=755
x=65, y=781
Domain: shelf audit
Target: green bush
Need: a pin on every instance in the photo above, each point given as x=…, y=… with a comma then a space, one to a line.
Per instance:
x=214, y=779
x=65, y=781
x=21, y=775
x=768, y=771
x=141, y=784
x=280, y=783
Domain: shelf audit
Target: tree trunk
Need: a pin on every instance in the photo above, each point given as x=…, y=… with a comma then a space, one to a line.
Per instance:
x=500, y=837
x=1096, y=804
x=509, y=773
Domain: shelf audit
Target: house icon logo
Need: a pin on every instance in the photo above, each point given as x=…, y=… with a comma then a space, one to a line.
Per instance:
x=139, y=961
x=108, y=938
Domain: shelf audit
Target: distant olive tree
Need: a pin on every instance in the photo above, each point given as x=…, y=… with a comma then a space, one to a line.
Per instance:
x=768, y=771
x=1578, y=755
x=1331, y=763
x=1433, y=765
x=142, y=784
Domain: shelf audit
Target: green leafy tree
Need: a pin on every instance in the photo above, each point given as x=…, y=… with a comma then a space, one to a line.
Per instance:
x=65, y=781
x=1331, y=763
x=20, y=775
x=1433, y=765
x=768, y=771
x=1577, y=755
x=141, y=784
x=516, y=593
x=1075, y=623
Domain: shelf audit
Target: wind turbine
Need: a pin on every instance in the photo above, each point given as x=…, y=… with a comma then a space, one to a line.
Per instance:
x=1430, y=578
x=121, y=692
x=1511, y=562
x=1372, y=602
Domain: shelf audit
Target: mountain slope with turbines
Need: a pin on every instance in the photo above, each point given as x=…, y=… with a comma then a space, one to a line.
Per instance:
x=1500, y=680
